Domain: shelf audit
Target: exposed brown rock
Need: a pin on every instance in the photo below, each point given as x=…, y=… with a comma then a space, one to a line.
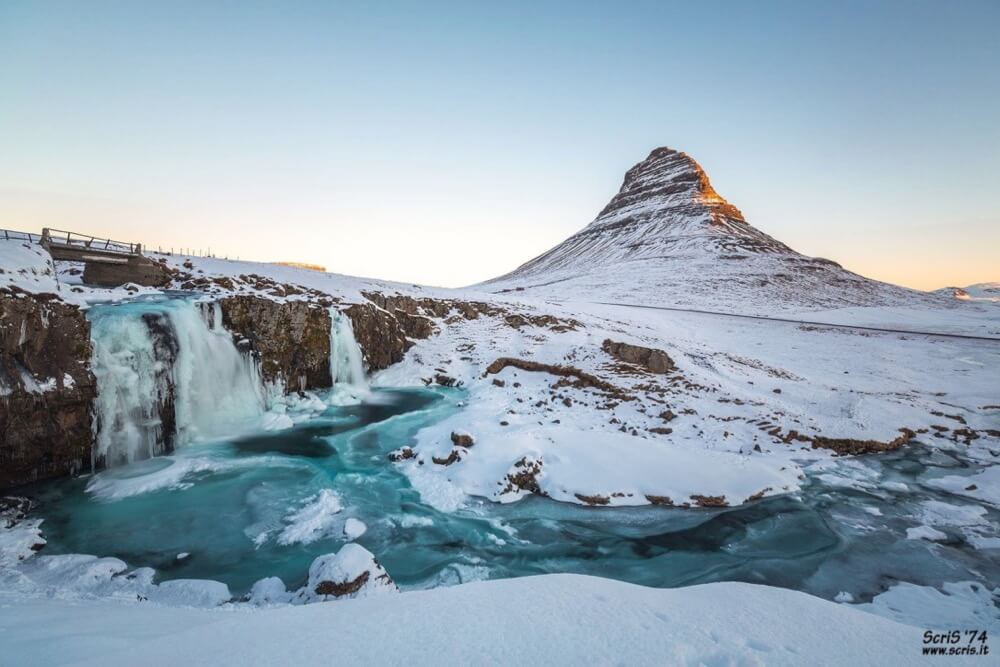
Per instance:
x=660, y=500
x=518, y=320
x=524, y=477
x=44, y=432
x=340, y=589
x=653, y=360
x=292, y=339
x=593, y=500
x=710, y=501
x=453, y=457
x=850, y=446
x=446, y=380
x=380, y=335
x=583, y=379
x=401, y=454
x=462, y=440
x=959, y=418
x=965, y=435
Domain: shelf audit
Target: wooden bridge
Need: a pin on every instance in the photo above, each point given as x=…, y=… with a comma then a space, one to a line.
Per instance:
x=73, y=247
x=107, y=263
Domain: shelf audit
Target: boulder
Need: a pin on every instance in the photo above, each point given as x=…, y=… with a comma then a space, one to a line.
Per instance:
x=651, y=359
x=352, y=572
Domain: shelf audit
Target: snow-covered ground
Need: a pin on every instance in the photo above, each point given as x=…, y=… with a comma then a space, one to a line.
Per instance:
x=553, y=619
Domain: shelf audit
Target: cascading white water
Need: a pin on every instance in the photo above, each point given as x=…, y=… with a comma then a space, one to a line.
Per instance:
x=346, y=366
x=217, y=387
x=165, y=373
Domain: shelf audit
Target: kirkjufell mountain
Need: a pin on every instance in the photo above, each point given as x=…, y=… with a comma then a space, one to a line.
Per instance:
x=668, y=238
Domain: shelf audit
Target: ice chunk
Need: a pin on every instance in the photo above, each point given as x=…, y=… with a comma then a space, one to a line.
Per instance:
x=353, y=528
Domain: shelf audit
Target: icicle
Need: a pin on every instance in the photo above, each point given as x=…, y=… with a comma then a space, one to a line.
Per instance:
x=216, y=316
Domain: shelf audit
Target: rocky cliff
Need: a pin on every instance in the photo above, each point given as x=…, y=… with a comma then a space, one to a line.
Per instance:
x=46, y=388
x=292, y=339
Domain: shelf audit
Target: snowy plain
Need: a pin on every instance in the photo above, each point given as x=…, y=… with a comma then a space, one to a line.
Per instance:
x=552, y=619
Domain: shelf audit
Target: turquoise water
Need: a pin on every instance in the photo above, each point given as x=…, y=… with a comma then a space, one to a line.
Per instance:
x=232, y=504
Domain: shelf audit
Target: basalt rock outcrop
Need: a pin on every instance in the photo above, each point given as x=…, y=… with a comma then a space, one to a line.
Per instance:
x=291, y=339
x=651, y=359
x=379, y=333
x=46, y=388
x=387, y=325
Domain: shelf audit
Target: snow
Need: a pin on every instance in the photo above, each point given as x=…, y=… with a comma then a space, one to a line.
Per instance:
x=269, y=591
x=547, y=619
x=619, y=468
x=965, y=605
x=983, y=485
x=17, y=540
x=192, y=593
x=353, y=528
x=27, y=266
x=313, y=521
x=937, y=513
x=69, y=577
x=925, y=533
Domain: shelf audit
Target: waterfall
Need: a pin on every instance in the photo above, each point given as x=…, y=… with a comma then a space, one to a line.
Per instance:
x=346, y=366
x=166, y=377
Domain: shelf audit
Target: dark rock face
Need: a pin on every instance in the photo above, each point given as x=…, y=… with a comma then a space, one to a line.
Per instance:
x=653, y=360
x=381, y=335
x=292, y=339
x=386, y=326
x=46, y=388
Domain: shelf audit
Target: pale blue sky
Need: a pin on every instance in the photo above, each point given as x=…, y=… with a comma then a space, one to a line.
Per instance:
x=446, y=143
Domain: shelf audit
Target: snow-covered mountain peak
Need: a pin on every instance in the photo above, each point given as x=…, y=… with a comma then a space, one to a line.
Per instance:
x=668, y=238
x=669, y=179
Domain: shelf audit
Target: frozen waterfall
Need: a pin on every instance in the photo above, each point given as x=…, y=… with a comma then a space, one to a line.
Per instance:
x=346, y=366
x=166, y=375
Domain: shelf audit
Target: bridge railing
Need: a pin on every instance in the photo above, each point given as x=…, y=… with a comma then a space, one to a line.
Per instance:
x=84, y=242
x=12, y=235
